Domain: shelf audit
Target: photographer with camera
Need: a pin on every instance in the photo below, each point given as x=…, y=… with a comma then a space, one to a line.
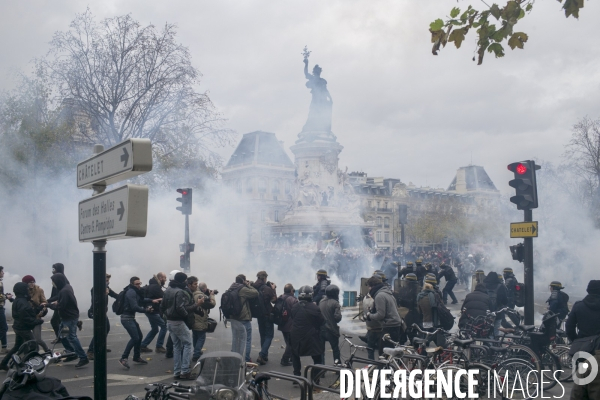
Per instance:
x=201, y=321
x=266, y=328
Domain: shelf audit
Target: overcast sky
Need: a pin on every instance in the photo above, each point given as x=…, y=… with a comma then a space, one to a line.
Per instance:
x=398, y=110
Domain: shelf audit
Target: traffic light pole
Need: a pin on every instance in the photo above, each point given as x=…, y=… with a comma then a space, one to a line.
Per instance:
x=528, y=267
x=186, y=254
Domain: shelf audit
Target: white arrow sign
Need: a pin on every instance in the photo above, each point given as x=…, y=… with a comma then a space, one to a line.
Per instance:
x=119, y=214
x=123, y=161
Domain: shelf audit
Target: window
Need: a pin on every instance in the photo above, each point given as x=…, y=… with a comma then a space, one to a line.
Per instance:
x=262, y=215
x=249, y=185
x=378, y=203
x=378, y=236
x=262, y=185
x=386, y=237
x=276, y=215
x=238, y=186
x=386, y=222
x=288, y=187
x=275, y=187
x=385, y=205
x=378, y=221
x=370, y=204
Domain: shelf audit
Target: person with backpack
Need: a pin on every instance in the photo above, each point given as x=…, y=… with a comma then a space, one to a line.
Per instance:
x=373, y=328
x=133, y=302
x=447, y=272
x=114, y=295
x=201, y=321
x=427, y=303
x=154, y=291
x=282, y=315
x=25, y=319
x=407, y=304
x=332, y=312
x=235, y=305
x=307, y=320
x=584, y=322
x=266, y=328
x=385, y=310
x=498, y=298
x=179, y=307
x=322, y=283
x=558, y=302
x=66, y=305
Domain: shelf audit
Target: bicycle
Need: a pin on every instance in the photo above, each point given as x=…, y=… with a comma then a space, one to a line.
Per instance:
x=161, y=391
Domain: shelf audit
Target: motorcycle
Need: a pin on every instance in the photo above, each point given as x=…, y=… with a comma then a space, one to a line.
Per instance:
x=26, y=377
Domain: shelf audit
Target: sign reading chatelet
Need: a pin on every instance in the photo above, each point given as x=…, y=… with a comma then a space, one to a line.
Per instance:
x=122, y=212
x=117, y=214
x=523, y=229
x=129, y=158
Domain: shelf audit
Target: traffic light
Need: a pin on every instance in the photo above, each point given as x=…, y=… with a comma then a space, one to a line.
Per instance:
x=525, y=184
x=182, y=263
x=518, y=252
x=520, y=294
x=186, y=201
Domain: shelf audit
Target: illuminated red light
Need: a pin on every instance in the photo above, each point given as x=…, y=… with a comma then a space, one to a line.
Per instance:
x=517, y=287
x=184, y=192
x=521, y=169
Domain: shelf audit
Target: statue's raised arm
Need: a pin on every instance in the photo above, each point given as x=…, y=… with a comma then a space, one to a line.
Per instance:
x=319, y=115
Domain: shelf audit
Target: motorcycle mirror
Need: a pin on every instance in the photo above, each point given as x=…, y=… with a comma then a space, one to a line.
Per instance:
x=387, y=336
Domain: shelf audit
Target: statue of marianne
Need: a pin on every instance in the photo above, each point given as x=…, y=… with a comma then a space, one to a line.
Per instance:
x=319, y=114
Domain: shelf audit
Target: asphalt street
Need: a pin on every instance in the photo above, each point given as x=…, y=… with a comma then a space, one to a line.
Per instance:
x=122, y=382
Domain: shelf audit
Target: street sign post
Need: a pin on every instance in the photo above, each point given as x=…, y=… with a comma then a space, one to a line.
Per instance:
x=130, y=158
x=119, y=214
x=524, y=229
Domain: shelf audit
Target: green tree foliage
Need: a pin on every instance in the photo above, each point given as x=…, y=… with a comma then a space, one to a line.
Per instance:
x=493, y=26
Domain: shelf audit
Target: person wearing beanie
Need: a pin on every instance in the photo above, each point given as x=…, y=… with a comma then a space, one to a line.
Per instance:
x=179, y=307
x=25, y=319
x=3, y=324
x=245, y=292
x=584, y=322
x=385, y=310
x=57, y=268
x=37, y=299
x=266, y=328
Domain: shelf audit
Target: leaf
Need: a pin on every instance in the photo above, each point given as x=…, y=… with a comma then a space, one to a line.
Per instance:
x=572, y=7
x=529, y=7
x=454, y=13
x=521, y=14
x=497, y=49
x=436, y=25
x=495, y=11
x=457, y=36
x=517, y=40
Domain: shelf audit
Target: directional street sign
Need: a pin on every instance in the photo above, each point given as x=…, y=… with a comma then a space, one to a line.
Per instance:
x=523, y=229
x=123, y=161
x=118, y=214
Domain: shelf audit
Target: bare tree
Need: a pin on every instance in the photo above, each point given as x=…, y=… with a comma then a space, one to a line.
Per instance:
x=134, y=81
x=583, y=151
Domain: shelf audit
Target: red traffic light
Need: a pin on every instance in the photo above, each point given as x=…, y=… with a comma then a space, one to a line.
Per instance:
x=182, y=191
x=517, y=287
x=521, y=169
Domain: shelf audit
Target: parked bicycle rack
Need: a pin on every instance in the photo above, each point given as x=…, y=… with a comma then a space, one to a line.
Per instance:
x=305, y=384
x=320, y=367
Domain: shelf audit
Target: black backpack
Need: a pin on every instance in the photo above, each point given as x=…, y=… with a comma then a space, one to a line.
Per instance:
x=493, y=293
x=445, y=317
x=118, y=305
x=280, y=314
x=257, y=304
x=231, y=304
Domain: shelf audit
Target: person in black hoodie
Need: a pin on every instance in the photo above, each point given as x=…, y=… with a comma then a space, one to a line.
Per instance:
x=57, y=268
x=498, y=298
x=114, y=295
x=584, y=322
x=306, y=330
x=25, y=319
x=475, y=304
x=66, y=305
x=134, y=303
x=447, y=272
x=154, y=291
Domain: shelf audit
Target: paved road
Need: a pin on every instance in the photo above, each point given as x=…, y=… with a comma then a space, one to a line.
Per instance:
x=122, y=382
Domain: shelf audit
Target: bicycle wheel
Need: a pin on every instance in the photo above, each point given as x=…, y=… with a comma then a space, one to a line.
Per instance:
x=524, y=353
x=328, y=379
x=508, y=372
x=551, y=367
x=449, y=372
x=562, y=352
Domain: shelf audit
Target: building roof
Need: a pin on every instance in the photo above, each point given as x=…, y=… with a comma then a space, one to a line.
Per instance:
x=259, y=148
x=475, y=178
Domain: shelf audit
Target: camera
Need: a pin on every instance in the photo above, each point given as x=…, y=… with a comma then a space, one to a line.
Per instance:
x=215, y=292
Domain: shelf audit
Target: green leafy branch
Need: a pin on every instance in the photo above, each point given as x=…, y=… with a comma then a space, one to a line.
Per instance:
x=493, y=26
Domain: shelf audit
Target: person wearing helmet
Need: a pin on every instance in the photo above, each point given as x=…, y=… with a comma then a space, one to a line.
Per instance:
x=407, y=305
x=322, y=283
x=409, y=269
x=510, y=281
x=306, y=330
x=432, y=280
x=385, y=310
x=558, y=300
x=25, y=319
x=498, y=298
x=332, y=312
x=420, y=270
x=447, y=272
